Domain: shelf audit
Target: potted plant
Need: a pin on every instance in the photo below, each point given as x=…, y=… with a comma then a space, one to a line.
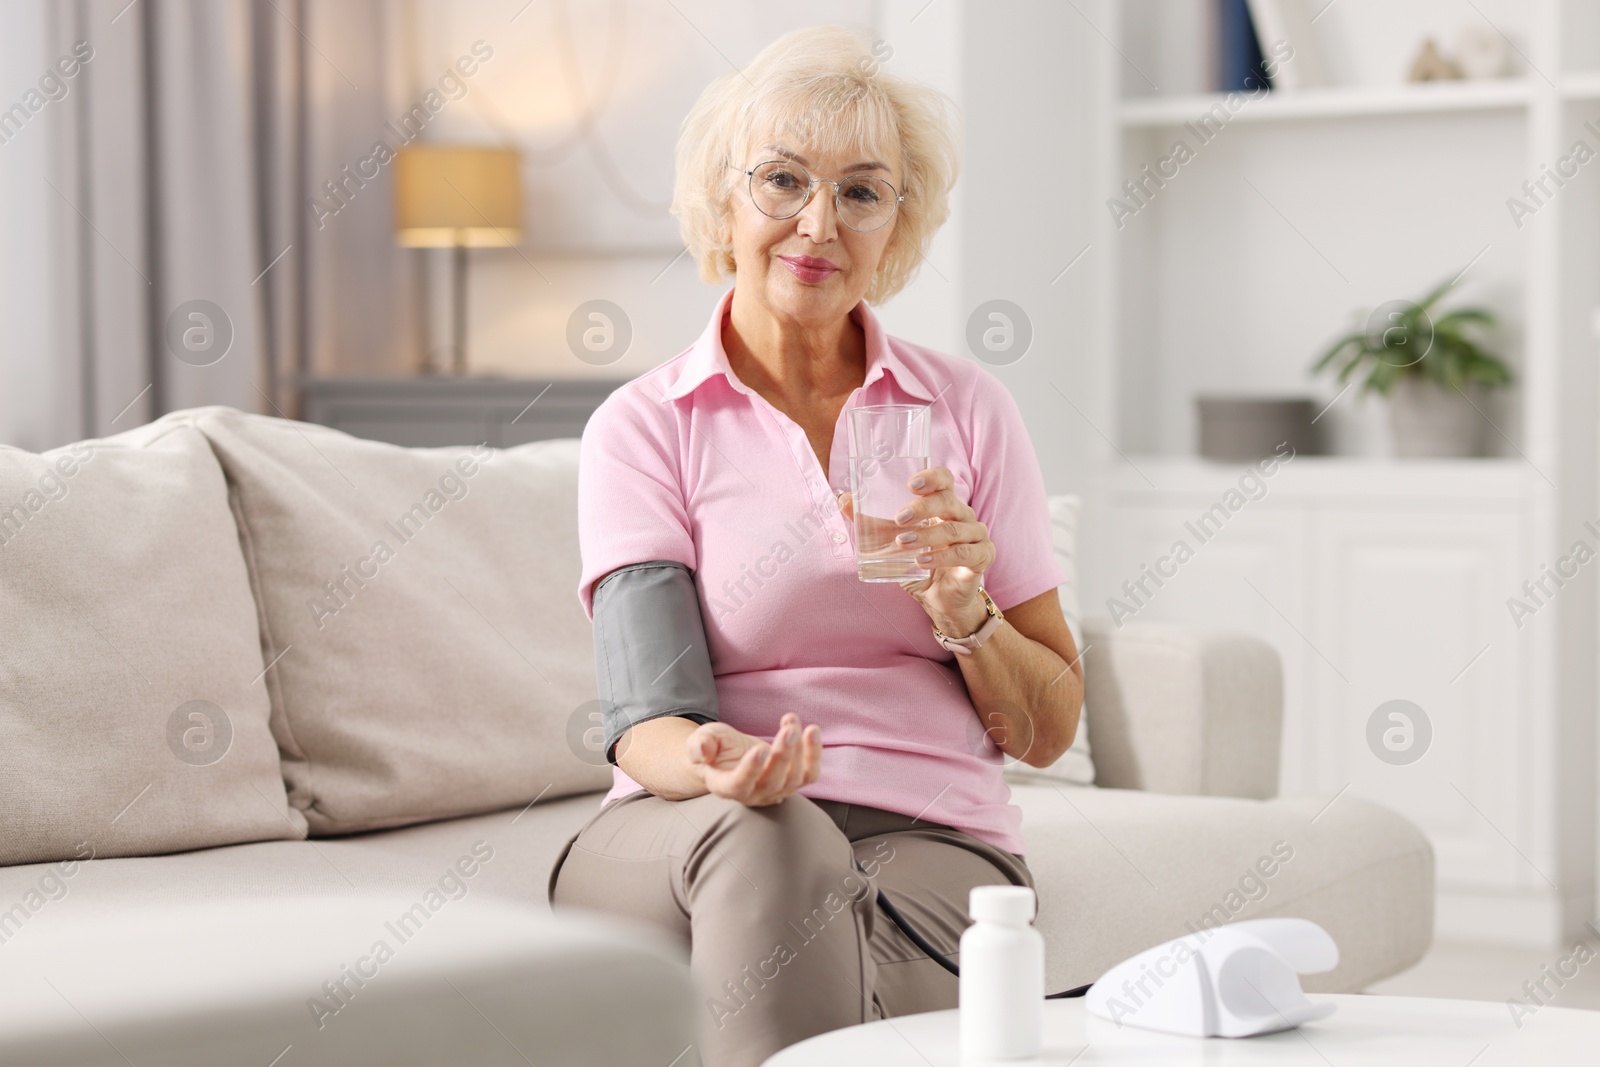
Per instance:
x=1432, y=369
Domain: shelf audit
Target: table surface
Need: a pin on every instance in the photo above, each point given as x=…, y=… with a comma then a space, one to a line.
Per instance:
x=1370, y=1031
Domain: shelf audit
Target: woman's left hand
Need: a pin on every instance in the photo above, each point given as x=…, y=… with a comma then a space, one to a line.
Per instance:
x=953, y=545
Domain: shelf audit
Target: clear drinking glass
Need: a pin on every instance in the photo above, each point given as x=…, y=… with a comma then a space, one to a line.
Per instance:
x=888, y=446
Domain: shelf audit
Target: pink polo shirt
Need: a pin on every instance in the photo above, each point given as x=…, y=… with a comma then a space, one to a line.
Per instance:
x=687, y=463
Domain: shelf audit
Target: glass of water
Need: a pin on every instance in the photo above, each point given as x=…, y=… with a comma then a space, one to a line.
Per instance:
x=888, y=446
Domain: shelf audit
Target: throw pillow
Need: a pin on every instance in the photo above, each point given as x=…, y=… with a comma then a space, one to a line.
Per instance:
x=428, y=659
x=133, y=714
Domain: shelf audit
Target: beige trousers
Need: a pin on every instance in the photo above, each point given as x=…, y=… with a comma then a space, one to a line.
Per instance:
x=784, y=933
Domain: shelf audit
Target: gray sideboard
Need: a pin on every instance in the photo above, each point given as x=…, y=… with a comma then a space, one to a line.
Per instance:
x=434, y=411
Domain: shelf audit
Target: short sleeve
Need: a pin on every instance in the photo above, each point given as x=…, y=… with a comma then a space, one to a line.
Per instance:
x=631, y=503
x=1009, y=497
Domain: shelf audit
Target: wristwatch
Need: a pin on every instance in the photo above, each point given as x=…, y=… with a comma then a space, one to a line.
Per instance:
x=965, y=645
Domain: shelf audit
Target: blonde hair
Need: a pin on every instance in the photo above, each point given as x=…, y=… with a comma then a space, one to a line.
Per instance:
x=822, y=87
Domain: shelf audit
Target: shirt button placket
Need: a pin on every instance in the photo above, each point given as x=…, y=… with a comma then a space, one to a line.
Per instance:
x=823, y=498
x=830, y=508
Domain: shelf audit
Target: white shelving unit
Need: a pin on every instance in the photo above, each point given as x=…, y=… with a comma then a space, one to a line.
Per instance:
x=1334, y=103
x=1376, y=579
x=1585, y=86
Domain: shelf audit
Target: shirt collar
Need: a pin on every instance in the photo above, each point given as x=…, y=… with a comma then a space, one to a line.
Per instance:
x=707, y=356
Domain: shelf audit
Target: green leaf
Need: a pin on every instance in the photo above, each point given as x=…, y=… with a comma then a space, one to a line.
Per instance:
x=1428, y=301
x=1338, y=346
x=1481, y=316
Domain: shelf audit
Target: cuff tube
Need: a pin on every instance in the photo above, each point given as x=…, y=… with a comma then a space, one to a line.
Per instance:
x=651, y=656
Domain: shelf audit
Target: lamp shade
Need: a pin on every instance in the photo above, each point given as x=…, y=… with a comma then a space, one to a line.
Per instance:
x=457, y=195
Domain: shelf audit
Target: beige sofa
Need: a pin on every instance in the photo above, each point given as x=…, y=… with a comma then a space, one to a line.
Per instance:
x=259, y=668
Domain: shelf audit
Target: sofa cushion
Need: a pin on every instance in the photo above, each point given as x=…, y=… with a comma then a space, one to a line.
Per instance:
x=403, y=978
x=1183, y=708
x=522, y=842
x=1117, y=870
x=1121, y=870
x=133, y=718
x=1076, y=764
x=428, y=658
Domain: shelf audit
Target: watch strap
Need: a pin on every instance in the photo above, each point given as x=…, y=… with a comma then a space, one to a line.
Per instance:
x=965, y=646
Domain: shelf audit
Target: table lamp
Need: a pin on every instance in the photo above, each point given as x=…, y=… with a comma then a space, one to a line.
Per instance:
x=460, y=197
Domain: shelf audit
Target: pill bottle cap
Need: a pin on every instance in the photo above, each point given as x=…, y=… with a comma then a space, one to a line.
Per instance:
x=1013, y=905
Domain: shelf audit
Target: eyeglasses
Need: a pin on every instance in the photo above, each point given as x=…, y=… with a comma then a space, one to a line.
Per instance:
x=781, y=189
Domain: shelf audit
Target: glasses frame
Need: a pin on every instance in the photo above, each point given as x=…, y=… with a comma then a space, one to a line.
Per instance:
x=811, y=190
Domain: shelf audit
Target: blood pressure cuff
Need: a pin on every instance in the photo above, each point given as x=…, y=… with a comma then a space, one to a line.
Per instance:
x=651, y=656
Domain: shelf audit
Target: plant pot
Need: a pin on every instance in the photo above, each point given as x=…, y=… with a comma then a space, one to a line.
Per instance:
x=1432, y=421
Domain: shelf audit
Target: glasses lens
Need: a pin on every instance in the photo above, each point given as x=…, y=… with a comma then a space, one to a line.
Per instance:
x=779, y=190
x=865, y=203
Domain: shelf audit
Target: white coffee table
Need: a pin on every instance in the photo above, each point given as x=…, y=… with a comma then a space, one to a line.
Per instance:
x=1369, y=1031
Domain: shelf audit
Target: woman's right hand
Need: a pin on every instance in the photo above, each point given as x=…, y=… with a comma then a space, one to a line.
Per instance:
x=751, y=771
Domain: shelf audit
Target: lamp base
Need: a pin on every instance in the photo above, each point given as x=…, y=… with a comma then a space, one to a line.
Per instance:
x=454, y=354
x=458, y=350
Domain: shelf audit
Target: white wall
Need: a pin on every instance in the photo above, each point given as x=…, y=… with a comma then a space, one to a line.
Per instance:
x=927, y=43
x=1030, y=167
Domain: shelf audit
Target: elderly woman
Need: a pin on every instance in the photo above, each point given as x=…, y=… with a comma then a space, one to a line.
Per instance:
x=855, y=735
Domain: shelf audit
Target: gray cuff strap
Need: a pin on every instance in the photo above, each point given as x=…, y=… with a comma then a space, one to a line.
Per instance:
x=651, y=657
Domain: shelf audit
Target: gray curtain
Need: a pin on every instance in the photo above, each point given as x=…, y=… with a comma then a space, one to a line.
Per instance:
x=191, y=268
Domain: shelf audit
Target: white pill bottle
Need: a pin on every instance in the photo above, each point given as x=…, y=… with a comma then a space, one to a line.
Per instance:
x=1001, y=1013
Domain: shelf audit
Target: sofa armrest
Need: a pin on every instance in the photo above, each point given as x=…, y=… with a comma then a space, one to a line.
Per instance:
x=1176, y=708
